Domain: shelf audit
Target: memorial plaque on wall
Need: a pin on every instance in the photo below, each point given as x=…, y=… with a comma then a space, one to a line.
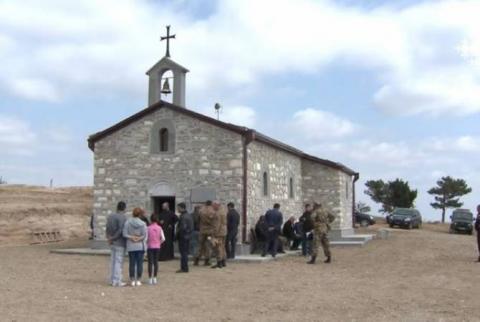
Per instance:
x=202, y=194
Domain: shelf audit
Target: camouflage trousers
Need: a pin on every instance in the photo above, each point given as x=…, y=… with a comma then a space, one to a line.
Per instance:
x=203, y=247
x=320, y=239
x=219, y=248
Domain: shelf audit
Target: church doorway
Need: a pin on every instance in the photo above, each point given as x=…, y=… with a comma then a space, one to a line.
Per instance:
x=158, y=201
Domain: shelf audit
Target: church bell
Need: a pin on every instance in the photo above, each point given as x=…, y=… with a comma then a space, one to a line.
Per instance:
x=166, y=87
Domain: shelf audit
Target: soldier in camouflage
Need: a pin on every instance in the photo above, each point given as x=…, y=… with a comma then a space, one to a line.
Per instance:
x=220, y=234
x=321, y=225
x=206, y=231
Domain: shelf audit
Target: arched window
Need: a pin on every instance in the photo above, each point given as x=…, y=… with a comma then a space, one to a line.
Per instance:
x=265, y=184
x=290, y=188
x=163, y=135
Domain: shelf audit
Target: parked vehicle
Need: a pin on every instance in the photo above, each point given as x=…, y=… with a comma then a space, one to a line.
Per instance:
x=406, y=218
x=462, y=221
x=364, y=220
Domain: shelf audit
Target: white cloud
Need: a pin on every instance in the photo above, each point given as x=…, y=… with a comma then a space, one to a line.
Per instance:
x=240, y=115
x=58, y=135
x=236, y=114
x=16, y=136
x=315, y=124
x=34, y=89
x=462, y=144
x=421, y=162
x=418, y=51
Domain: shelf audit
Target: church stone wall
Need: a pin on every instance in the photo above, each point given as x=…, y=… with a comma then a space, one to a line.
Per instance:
x=204, y=156
x=329, y=187
x=280, y=167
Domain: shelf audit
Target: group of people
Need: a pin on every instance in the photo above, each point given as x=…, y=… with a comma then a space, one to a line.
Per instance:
x=210, y=231
x=210, y=227
x=310, y=231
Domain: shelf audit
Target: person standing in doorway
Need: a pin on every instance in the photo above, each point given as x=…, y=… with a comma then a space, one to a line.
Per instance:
x=233, y=221
x=135, y=231
x=274, y=220
x=477, y=228
x=155, y=239
x=168, y=219
x=117, y=242
x=184, y=234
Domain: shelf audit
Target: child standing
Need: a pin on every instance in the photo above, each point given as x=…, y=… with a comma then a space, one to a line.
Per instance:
x=155, y=240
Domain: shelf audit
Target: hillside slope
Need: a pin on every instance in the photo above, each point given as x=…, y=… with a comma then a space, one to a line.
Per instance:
x=27, y=209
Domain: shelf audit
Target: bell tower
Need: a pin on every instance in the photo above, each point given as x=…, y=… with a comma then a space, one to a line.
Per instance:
x=159, y=85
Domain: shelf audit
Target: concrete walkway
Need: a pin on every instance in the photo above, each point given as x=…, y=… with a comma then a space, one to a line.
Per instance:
x=253, y=258
x=359, y=241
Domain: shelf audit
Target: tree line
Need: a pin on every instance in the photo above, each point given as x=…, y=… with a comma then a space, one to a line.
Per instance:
x=397, y=193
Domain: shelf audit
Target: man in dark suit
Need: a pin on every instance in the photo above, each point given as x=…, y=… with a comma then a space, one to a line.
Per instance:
x=184, y=234
x=273, y=220
x=233, y=220
x=168, y=219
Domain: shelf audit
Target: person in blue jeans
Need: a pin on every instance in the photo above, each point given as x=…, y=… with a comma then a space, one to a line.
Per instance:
x=135, y=231
x=113, y=231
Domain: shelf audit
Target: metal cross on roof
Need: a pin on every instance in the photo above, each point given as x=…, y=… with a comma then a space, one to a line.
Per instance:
x=167, y=37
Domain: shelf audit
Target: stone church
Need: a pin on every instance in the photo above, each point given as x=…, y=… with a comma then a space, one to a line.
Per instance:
x=168, y=152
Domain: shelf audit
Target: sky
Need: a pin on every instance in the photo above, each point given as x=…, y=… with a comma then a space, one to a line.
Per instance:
x=388, y=88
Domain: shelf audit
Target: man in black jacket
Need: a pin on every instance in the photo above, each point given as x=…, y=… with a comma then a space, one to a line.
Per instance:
x=274, y=220
x=306, y=227
x=290, y=233
x=184, y=234
x=233, y=220
x=168, y=219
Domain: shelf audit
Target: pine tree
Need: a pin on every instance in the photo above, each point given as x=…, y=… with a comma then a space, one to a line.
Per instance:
x=392, y=194
x=448, y=192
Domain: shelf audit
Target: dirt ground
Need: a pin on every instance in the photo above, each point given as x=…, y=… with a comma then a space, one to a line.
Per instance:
x=419, y=275
x=28, y=209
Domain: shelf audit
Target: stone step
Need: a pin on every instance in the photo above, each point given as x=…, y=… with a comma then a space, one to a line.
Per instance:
x=347, y=243
x=363, y=238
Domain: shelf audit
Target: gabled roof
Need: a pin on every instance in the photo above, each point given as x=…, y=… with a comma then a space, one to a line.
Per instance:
x=250, y=133
x=167, y=62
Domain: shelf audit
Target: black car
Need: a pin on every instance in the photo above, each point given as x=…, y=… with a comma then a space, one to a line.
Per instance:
x=406, y=218
x=364, y=219
x=462, y=221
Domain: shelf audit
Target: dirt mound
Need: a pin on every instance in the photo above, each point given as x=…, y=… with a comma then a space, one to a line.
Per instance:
x=28, y=209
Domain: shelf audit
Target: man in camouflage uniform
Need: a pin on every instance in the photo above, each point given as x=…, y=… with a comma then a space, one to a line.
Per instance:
x=206, y=231
x=220, y=234
x=321, y=225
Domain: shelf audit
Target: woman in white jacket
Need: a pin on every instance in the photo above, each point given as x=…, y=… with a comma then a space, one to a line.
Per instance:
x=135, y=231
